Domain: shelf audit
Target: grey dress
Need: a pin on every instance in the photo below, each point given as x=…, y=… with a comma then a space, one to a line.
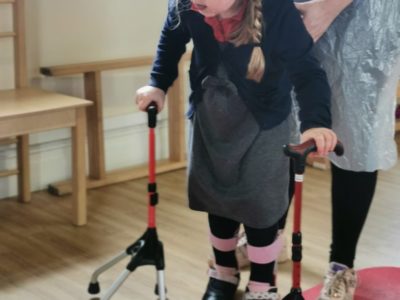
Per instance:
x=236, y=170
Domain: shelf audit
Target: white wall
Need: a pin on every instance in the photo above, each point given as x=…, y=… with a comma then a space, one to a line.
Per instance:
x=73, y=31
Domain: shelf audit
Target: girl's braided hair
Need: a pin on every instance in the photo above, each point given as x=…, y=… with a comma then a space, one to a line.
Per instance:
x=249, y=31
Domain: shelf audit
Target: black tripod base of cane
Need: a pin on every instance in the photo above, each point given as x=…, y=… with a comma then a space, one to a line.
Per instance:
x=147, y=250
x=295, y=294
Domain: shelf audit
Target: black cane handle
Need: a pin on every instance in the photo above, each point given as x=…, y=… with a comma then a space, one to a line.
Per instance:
x=152, y=114
x=300, y=152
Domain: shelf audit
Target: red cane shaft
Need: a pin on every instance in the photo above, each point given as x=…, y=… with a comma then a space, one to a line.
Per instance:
x=296, y=274
x=152, y=178
x=297, y=205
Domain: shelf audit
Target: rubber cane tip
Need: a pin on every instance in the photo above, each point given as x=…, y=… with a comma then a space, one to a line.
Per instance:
x=94, y=288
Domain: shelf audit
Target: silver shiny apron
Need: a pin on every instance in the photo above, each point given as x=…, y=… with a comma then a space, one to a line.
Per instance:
x=361, y=55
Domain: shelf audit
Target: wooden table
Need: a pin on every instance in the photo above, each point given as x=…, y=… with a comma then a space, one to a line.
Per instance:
x=29, y=110
x=92, y=72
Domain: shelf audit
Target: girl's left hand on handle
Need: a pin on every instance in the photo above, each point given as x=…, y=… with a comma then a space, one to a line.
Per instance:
x=324, y=138
x=147, y=94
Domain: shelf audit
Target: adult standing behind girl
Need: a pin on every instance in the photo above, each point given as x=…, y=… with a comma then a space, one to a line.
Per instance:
x=361, y=54
x=246, y=56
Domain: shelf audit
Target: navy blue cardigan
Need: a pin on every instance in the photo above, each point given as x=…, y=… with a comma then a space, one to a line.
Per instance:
x=287, y=48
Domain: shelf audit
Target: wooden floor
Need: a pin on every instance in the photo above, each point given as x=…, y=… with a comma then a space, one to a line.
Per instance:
x=43, y=257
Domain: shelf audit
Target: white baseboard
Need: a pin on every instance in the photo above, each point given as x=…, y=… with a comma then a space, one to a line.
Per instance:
x=50, y=152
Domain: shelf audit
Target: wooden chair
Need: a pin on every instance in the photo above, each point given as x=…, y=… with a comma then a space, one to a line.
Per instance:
x=25, y=110
x=20, y=80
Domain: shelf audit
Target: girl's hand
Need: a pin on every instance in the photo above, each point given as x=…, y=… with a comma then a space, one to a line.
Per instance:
x=324, y=138
x=147, y=94
x=318, y=15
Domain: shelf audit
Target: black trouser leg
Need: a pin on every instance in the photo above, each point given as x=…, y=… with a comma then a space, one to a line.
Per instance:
x=262, y=238
x=224, y=278
x=224, y=228
x=352, y=194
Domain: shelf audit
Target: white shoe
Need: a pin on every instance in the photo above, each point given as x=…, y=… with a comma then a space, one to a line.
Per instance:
x=271, y=294
x=339, y=284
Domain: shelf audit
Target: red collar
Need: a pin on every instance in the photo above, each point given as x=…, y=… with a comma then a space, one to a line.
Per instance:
x=223, y=28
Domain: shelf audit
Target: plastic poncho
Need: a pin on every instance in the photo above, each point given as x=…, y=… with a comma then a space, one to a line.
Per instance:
x=361, y=55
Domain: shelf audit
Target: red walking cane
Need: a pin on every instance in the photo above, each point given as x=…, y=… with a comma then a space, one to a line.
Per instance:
x=147, y=250
x=299, y=153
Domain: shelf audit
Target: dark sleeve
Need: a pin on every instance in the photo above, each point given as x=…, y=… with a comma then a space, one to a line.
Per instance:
x=294, y=48
x=171, y=46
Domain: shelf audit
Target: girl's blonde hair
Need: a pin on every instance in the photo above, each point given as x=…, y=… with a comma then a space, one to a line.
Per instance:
x=250, y=31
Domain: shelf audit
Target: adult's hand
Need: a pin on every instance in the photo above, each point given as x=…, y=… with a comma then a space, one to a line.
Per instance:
x=318, y=15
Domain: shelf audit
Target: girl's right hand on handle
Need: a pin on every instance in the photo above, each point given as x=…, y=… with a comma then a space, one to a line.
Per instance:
x=325, y=140
x=147, y=94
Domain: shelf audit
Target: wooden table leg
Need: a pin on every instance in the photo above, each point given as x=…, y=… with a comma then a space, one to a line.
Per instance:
x=94, y=115
x=79, y=194
x=24, y=176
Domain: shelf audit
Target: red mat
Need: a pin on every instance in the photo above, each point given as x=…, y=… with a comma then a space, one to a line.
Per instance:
x=381, y=283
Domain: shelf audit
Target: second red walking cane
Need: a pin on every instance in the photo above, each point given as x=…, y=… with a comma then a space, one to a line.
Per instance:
x=299, y=153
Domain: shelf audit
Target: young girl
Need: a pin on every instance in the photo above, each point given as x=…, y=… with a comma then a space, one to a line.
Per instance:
x=246, y=56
